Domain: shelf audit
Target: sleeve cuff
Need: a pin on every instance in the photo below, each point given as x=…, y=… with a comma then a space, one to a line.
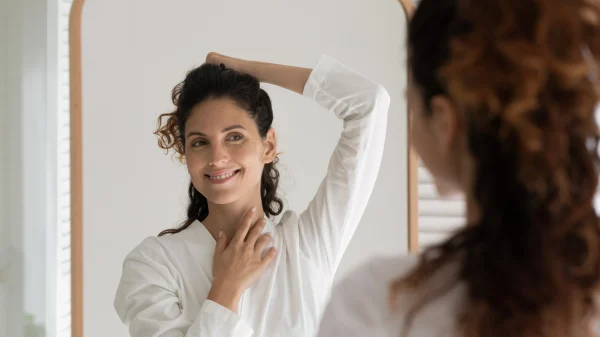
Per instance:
x=223, y=316
x=318, y=75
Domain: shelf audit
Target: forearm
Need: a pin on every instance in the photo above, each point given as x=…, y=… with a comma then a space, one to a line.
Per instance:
x=288, y=77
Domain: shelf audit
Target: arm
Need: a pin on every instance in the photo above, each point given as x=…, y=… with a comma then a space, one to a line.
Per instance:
x=331, y=219
x=147, y=301
x=288, y=77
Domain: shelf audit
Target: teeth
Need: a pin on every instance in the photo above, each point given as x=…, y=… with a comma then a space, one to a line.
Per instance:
x=223, y=176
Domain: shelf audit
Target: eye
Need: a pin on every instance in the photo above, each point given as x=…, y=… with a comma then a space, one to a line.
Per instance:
x=236, y=137
x=199, y=142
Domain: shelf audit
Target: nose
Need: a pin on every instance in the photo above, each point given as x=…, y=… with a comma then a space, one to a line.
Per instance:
x=218, y=155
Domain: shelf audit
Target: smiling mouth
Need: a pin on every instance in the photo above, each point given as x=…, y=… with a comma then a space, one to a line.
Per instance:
x=221, y=177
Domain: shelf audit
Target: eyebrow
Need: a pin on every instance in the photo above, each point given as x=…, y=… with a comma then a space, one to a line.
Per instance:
x=229, y=128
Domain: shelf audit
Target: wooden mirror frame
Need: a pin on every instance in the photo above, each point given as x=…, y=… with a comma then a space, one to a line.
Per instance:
x=77, y=169
x=413, y=162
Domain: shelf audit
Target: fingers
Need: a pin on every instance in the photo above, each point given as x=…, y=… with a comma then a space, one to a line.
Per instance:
x=255, y=232
x=242, y=231
x=221, y=243
x=262, y=242
x=212, y=57
x=268, y=258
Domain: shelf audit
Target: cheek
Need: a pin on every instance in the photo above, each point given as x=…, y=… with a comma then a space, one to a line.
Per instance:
x=420, y=138
x=194, y=162
x=250, y=160
x=423, y=141
x=437, y=162
x=248, y=156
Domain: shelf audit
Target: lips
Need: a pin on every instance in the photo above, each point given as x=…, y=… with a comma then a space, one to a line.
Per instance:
x=221, y=176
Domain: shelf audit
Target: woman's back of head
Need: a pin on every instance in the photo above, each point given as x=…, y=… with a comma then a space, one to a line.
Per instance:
x=523, y=77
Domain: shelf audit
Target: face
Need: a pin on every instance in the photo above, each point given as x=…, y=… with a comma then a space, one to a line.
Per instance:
x=436, y=138
x=224, y=152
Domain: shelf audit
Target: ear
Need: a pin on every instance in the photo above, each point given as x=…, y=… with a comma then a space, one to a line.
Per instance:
x=270, y=147
x=445, y=121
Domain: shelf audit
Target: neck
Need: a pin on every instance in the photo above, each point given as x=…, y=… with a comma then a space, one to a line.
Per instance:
x=228, y=217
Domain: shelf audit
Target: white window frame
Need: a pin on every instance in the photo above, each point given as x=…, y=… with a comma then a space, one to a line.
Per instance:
x=29, y=191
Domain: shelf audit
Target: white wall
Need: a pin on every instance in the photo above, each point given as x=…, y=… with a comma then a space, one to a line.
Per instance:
x=134, y=52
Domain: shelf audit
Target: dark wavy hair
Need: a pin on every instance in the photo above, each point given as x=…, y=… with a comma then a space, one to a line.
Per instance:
x=523, y=74
x=211, y=81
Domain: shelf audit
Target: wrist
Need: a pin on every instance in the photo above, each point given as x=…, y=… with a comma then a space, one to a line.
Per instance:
x=251, y=68
x=223, y=286
x=227, y=295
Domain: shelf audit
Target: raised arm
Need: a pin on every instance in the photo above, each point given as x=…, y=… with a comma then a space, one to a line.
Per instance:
x=288, y=77
x=333, y=215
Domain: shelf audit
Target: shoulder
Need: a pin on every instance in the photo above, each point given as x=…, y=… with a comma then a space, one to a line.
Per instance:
x=360, y=301
x=148, y=260
x=370, y=282
x=155, y=252
x=151, y=248
x=149, y=263
x=147, y=274
x=387, y=268
x=158, y=247
x=289, y=217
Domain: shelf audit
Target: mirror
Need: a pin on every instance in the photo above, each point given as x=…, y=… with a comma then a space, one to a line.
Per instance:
x=126, y=58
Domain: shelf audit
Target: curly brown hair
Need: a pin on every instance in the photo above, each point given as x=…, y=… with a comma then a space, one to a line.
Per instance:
x=211, y=81
x=524, y=76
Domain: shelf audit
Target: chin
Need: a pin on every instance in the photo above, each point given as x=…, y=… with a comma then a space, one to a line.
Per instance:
x=221, y=198
x=447, y=190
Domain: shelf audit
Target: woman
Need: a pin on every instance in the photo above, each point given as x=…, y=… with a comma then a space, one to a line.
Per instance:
x=220, y=275
x=504, y=95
